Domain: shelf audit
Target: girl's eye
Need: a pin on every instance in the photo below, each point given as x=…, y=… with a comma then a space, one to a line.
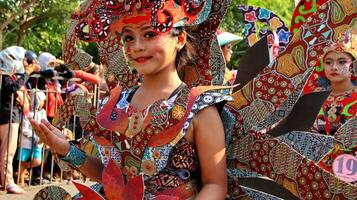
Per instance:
x=327, y=62
x=150, y=34
x=128, y=38
x=342, y=62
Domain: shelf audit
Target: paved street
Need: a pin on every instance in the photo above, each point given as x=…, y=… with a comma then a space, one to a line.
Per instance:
x=31, y=191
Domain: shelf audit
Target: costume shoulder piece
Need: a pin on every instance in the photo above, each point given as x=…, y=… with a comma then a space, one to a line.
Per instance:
x=164, y=117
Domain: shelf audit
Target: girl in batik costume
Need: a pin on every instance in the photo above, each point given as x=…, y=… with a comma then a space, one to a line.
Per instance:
x=340, y=69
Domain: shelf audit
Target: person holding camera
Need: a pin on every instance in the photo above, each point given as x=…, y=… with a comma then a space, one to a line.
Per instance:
x=48, y=62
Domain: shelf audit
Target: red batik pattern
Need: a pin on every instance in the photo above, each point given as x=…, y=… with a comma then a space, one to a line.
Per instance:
x=303, y=10
x=181, y=168
x=335, y=111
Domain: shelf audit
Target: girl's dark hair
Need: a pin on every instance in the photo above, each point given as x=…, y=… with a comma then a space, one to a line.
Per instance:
x=188, y=53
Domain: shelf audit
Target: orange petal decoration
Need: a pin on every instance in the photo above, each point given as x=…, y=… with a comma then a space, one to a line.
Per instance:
x=113, y=181
x=134, y=190
x=102, y=141
x=87, y=192
x=103, y=118
x=115, y=188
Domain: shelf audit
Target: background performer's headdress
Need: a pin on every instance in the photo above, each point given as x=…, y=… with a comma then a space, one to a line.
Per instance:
x=346, y=43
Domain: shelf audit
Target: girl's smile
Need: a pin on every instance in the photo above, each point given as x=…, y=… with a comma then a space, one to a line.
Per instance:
x=142, y=59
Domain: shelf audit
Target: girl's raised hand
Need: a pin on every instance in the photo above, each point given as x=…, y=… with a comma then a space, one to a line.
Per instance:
x=51, y=136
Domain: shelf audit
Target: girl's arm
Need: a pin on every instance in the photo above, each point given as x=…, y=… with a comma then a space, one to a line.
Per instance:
x=209, y=139
x=54, y=138
x=93, y=168
x=94, y=79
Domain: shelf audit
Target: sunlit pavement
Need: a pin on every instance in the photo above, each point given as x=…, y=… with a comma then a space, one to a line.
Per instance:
x=31, y=191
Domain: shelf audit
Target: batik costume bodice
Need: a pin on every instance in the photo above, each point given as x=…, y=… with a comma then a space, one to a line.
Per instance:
x=152, y=141
x=335, y=111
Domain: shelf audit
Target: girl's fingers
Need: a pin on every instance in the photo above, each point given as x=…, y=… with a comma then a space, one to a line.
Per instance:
x=48, y=133
x=37, y=129
x=48, y=124
x=34, y=125
x=52, y=129
x=45, y=129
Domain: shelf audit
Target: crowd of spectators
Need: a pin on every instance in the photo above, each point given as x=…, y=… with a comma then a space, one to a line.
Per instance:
x=35, y=86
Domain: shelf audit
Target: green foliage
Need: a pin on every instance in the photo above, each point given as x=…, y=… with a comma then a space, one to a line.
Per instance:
x=7, y=6
x=233, y=21
x=46, y=33
x=283, y=8
x=46, y=37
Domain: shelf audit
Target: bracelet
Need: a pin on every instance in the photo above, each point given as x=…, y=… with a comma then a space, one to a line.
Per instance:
x=75, y=156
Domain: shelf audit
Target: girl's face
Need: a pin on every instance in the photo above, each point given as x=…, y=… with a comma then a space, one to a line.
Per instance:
x=148, y=51
x=227, y=52
x=337, y=66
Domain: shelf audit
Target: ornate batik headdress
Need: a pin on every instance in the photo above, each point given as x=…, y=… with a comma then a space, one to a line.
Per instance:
x=346, y=43
x=101, y=21
x=112, y=15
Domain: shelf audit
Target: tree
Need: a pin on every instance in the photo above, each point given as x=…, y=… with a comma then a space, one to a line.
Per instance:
x=38, y=25
x=10, y=10
x=283, y=8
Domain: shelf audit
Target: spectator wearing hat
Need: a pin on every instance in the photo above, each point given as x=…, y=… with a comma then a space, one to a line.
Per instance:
x=226, y=41
x=54, y=98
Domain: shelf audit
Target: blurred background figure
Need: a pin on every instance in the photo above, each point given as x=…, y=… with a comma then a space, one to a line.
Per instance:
x=31, y=146
x=31, y=62
x=11, y=59
x=48, y=61
x=15, y=65
x=226, y=41
x=54, y=98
